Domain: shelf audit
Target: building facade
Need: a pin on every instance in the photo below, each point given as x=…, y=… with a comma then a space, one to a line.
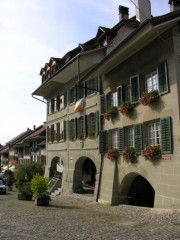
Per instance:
x=113, y=111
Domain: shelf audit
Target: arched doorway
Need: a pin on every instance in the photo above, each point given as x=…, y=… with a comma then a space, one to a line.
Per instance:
x=57, y=167
x=137, y=191
x=84, y=176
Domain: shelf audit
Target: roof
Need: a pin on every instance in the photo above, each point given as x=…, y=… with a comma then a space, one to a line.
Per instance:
x=19, y=137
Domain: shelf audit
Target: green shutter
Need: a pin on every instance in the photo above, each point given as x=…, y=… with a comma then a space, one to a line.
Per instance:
x=102, y=142
x=99, y=82
x=75, y=128
x=163, y=78
x=121, y=139
x=65, y=99
x=52, y=133
x=97, y=123
x=65, y=129
x=58, y=102
x=134, y=86
x=166, y=135
x=52, y=105
x=85, y=125
x=138, y=138
x=84, y=86
x=119, y=92
x=58, y=132
x=102, y=104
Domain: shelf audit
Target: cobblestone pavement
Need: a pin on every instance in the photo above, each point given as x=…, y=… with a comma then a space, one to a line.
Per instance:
x=80, y=217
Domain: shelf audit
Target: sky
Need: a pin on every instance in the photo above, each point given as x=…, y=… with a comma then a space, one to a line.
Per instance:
x=32, y=31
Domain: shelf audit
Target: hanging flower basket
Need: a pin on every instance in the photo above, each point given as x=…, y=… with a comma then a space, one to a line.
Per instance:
x=129, y=154
x=112, y=154
x=126, y=108
x=152, y=152
x=111, y=112
x=148, y=98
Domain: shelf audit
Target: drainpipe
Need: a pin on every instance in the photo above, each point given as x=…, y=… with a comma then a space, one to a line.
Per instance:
x=100, y=177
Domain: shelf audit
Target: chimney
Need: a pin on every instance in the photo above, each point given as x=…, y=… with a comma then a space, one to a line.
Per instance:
x=123, y=13
x=34, y=127
x=174, y=5
x=143, y=10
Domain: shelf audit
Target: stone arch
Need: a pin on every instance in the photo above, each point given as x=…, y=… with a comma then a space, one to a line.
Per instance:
x=56, y=167
x=84, y=179
x=136, y=190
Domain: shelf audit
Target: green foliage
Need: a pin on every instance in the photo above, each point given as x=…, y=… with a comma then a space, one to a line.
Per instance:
x=39, y=186
x=24, y=175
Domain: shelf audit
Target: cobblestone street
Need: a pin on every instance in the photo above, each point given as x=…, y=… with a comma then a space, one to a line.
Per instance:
x=79, y=217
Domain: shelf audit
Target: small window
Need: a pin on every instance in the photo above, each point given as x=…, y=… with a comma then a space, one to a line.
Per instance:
x=91, y=125
x=114, y=99
x=154, y=133
x=61, y=101
x=91, y=86
x=152, y=82
x=130, y=136
x=114, y=139
x=72, y=95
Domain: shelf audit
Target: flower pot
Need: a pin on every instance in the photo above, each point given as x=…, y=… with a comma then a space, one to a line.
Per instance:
x=24, y=196
x=44, y=201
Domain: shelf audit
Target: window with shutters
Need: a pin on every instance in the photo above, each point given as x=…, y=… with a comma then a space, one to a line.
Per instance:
x=113, y=100
x=91, y=125
x=62, y=131
x=72, y=97
x=91, y=86
x=49, y=107
x=61, y=101
x=152, y=82
x=154, y=134
x=130, y=136
x=81, y=127
x=114, y=139
x=72, y=129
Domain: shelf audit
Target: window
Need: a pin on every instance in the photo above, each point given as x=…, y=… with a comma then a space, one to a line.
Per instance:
x=91, y=125
x=130, y=137
x=72, y=129
x=114, y=139
x=61, y=101
x=127, y=96
x=72, y=95
x=154, y=134
x=91, y=86
x=62, y=137
x=81, y=127
x=152, y=82
x=114, y=99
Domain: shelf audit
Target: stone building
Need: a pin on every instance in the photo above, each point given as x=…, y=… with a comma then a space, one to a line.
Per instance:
x=113, y=111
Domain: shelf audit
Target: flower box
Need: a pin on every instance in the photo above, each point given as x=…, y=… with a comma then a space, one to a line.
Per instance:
x=152, y=152
x=112, y=154
x=129, y=154
x=148, y=98
x=111, y=112
x=126, y=108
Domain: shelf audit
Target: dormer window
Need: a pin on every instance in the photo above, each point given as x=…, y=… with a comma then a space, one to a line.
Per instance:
x=104, y=43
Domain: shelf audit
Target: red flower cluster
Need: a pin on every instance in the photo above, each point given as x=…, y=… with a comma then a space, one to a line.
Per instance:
x=152, y=152
x=129, y=154
x=112, y=154
x=148, y=98
x=125, y=108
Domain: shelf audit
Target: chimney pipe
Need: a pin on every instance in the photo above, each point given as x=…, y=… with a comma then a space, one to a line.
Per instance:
x=174, y=5
x=143, y=10
x=123, y=13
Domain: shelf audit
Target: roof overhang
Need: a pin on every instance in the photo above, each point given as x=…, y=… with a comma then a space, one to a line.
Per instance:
x=79, y=64
x=132, y=44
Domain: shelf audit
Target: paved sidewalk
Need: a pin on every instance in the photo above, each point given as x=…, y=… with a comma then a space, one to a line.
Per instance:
x=80, y=217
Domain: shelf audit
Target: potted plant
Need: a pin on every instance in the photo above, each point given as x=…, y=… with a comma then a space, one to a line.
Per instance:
x=152, y=152
x=148, y=98
x=112, y=154
x=39, y=186
x=129, y=154
x=23, y=177
x=111, y=112
x=126, y=108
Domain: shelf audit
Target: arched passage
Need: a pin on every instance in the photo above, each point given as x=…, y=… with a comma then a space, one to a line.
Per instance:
x=57, y=167
x=137, y=191
x=84, y=176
